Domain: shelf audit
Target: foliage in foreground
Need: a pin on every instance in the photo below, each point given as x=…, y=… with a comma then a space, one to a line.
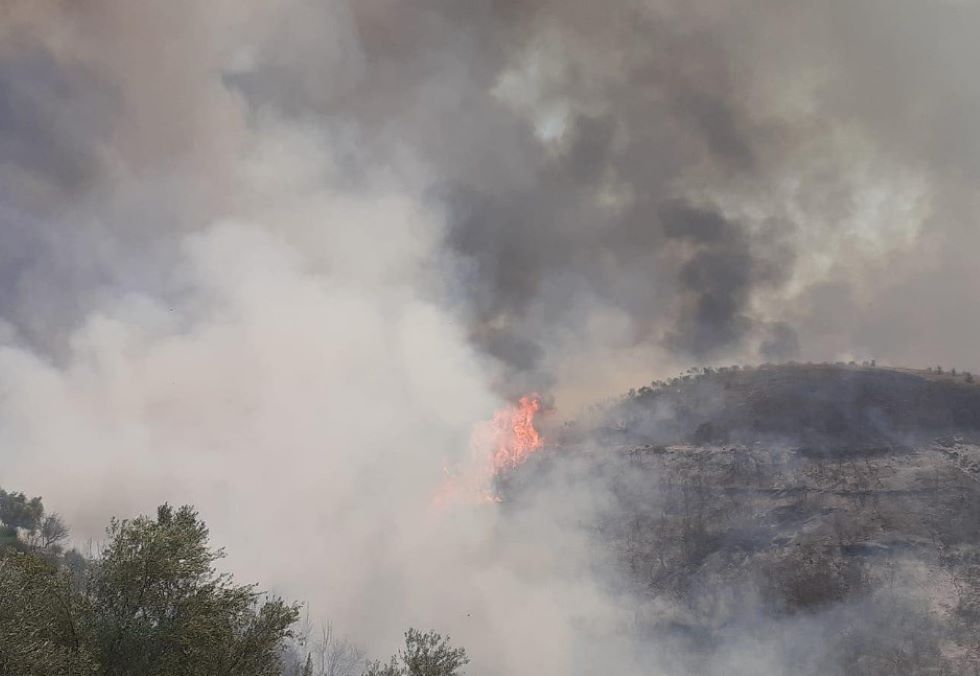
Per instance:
x=424, y=654
x=151, y=605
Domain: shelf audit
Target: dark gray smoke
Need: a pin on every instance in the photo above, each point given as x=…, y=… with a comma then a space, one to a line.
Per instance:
x=296, y=249
x=706, y=170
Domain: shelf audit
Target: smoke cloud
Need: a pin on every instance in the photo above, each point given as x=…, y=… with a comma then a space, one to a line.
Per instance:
x=277, y=261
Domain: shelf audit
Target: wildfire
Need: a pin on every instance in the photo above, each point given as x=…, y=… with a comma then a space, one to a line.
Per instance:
x=497, y=446
x=516, y=437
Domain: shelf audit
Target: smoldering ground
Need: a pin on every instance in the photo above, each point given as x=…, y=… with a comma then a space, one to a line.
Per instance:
x=277, y=261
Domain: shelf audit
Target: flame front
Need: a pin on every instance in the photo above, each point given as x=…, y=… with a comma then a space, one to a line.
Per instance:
x=497, y=446
x=516, y=435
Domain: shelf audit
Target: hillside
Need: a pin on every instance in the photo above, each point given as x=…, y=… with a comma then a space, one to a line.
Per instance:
x=820, y=405
x=827, y=515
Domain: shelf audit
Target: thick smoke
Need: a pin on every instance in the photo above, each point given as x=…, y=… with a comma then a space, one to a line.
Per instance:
x=277, y=260
x=581, y=155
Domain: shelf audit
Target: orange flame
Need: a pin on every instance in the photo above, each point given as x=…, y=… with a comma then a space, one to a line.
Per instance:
x=498, y=445
x=517, y=438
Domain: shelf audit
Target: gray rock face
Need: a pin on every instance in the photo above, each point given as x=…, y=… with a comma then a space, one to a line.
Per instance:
x=828, y=516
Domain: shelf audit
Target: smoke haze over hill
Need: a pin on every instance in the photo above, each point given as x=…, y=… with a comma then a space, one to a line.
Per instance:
x=277, y=260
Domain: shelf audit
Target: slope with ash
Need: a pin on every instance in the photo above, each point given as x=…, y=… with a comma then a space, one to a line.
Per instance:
x=828, y=515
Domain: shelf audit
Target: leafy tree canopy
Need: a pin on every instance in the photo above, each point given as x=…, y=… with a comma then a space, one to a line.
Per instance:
x=424, y=654
x=151, y=605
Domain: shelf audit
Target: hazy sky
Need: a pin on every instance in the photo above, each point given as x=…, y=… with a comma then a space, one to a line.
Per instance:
x=277, y=258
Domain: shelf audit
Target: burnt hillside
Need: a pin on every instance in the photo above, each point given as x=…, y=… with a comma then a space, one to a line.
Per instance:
x=829, y=515
x=823, y=406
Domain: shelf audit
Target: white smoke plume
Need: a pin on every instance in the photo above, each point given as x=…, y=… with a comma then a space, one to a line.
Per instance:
x=277, y=260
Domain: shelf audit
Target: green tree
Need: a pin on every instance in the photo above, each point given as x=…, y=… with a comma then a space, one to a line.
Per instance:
x=425, y=654
x=160, y=608
x=17, y=511
x=41, y=633
x=24, y=526
x=152, y=604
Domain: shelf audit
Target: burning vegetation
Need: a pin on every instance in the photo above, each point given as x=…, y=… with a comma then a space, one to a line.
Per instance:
x=516, y=437
x=497, y=446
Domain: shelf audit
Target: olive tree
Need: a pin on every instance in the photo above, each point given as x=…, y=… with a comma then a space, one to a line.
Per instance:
x=42, y=630
x=159, y=607
x=424, y=654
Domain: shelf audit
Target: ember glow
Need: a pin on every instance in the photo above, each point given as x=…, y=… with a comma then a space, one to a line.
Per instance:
x=497, y=446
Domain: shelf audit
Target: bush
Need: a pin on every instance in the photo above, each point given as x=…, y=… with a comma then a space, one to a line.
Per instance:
x=425, y=654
